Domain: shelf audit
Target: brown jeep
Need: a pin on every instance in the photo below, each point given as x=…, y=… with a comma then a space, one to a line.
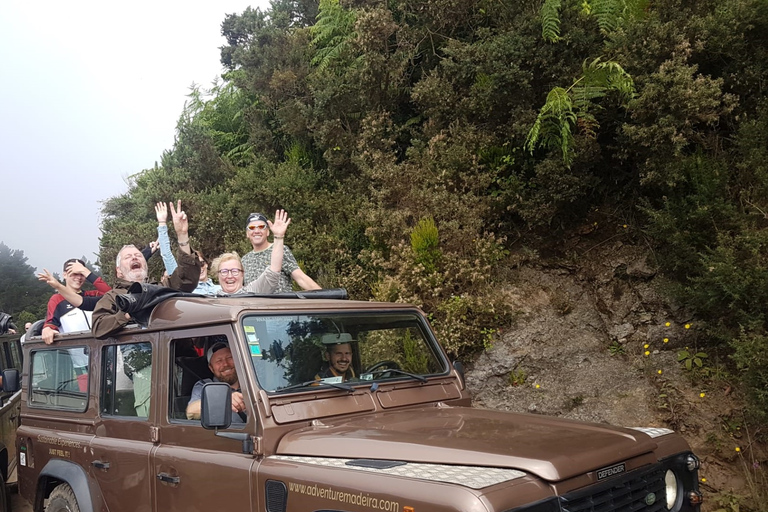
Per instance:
x=105, y=425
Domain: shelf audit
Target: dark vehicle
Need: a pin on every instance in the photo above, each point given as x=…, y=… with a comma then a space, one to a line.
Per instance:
x=10, y=404
x=105, y=427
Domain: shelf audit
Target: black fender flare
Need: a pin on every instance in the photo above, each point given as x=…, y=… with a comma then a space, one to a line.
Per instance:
x=73, y=475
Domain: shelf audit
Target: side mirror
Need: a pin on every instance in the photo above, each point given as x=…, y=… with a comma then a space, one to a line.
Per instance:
x=459, y=371
x=11, y=380
x=216, y=406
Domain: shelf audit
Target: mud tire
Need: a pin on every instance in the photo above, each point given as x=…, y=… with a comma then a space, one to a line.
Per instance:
x=62, y=499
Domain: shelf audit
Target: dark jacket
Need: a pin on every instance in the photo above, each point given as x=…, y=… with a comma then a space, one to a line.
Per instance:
x=108, y=318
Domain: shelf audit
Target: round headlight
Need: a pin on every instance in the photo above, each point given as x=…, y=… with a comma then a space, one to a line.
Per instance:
x=692, y=462
x=670, y=488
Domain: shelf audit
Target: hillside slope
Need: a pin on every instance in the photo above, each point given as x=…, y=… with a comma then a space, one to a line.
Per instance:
x=578, y=350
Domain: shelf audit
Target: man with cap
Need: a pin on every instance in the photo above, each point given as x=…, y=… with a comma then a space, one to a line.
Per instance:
x=131, y=267
x=223, y=368
x=338, y=356
x=256, y=261
x=70, y=310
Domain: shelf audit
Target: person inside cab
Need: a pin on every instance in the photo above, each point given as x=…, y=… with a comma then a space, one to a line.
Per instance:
x=338, y=359
x=222, y=366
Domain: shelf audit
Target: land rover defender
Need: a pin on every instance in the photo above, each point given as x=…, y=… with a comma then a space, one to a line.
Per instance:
x=105, y=427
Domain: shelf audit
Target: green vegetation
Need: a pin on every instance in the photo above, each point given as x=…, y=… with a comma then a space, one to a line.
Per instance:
x=398, y=135
x=21, y=294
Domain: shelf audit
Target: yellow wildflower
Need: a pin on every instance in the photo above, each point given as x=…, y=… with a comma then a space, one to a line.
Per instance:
x=738, y=449
x=537, y=386
x=647, y=352
x=702, y=394
x=659, y=372
x=687, y=326
x=666, y=340
x=646, y=345
x=703, y=479
x=667, y=324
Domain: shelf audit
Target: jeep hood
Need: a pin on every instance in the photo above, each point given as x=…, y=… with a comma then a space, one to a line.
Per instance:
x=551, y=448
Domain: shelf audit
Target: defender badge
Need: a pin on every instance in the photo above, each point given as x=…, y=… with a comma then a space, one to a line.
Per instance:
x=650, y=499
x=610, y=471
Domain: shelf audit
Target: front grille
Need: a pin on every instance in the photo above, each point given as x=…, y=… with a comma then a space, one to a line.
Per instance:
x=630, y=492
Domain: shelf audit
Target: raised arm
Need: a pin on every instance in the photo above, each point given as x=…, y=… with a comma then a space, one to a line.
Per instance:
x=78, y=268
x=181, y=225
x=70, y=295
x=161, y=213
x=278, y=228
x=187, y=274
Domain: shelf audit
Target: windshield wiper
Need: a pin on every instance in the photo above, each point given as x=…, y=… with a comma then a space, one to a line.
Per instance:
x=337, y=385
x=401, y=372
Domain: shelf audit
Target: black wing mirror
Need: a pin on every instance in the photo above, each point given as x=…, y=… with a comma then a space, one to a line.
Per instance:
x=11, y=380
x=216, y=406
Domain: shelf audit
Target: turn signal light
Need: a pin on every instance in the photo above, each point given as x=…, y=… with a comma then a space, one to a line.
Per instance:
x=695, y=498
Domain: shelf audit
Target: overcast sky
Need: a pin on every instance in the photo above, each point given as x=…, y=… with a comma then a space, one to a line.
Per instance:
x=90, y=92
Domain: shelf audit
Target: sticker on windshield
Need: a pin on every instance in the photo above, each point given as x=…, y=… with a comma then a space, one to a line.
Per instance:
x=254, y=347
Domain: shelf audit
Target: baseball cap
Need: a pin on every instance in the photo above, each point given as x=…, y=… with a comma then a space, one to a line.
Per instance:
x=256, y=217
x=215, y=348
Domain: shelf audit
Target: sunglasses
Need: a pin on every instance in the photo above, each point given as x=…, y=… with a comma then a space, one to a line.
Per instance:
x=234, y=272
x=257, y=226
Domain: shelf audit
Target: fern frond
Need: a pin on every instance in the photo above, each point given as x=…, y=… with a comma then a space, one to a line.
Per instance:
x=608, y=13
x=331, y=33
x=550, y=20
x=553, y=126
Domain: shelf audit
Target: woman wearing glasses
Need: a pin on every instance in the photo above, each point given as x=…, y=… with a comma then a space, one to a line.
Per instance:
x=229, y=268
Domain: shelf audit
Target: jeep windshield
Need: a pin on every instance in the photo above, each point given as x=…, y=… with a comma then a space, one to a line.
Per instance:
x=332, y=351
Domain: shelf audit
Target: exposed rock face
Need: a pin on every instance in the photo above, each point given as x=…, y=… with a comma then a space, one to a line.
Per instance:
x=578, y=350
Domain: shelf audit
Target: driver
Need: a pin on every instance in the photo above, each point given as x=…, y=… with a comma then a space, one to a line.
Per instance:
x=338, y=357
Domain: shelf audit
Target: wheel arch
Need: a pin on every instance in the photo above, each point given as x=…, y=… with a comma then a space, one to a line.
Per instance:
x=59, y=471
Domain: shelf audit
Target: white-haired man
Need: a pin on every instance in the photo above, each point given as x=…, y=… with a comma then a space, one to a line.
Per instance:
x=131, y=267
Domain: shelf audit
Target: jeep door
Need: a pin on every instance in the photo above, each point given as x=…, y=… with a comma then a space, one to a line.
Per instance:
x=125, y=434
x=193, y=468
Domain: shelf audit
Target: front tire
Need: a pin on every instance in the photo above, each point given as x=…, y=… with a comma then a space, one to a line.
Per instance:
x=62, y=499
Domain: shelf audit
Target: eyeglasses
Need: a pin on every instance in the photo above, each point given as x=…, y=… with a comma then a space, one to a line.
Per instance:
x=234, y=272
x=257, y=226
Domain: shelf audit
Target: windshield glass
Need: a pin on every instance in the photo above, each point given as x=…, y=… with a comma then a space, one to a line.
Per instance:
x=300, y=351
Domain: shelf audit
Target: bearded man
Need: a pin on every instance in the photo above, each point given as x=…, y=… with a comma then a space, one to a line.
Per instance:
x=222, y=366
x=131, y=267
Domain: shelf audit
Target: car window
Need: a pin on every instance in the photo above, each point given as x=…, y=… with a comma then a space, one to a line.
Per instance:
x=288, y=350
x=127, y=380
x=59, y=378
x=188, y=366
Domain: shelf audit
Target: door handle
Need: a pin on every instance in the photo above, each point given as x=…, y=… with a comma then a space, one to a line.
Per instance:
x=100, y=464
x=165, y=477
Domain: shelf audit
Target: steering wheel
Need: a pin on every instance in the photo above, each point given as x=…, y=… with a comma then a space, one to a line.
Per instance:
x=382, y=364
